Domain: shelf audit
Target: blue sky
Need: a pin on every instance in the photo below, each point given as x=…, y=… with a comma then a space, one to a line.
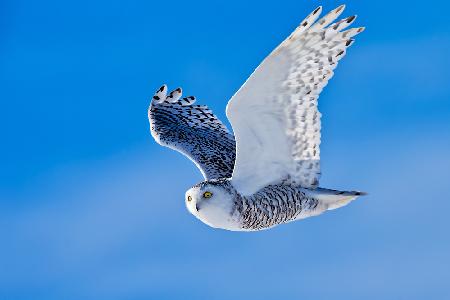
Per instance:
x=92, y=208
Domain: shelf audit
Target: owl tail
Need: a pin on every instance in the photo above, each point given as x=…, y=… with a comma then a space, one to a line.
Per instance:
x=332, y=199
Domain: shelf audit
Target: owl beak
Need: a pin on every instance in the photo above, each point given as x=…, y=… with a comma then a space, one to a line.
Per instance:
x=197, y=207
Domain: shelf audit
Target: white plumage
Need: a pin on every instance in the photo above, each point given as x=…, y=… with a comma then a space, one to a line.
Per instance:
x=276, y=125
x=274, y=115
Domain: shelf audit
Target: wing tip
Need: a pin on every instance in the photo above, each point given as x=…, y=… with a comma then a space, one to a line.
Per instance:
x=317, y=10
x=160, y=94
x=340, y=8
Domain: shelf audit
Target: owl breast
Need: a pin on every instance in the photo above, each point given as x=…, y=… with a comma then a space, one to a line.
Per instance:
x=219, y=215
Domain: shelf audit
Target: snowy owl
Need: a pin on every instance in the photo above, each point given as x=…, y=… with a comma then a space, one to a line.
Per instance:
x=267, y=173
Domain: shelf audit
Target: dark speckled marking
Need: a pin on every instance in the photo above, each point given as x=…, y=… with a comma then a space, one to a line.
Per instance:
x=350, y=19
x=196, y=132
x=272, y=205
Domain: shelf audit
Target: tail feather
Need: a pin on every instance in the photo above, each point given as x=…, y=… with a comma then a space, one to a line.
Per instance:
x=332, y=199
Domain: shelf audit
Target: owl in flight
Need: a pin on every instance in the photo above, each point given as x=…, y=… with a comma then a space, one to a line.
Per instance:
x=268, y=172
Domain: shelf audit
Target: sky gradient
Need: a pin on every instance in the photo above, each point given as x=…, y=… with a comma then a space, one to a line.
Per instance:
x=92, y=208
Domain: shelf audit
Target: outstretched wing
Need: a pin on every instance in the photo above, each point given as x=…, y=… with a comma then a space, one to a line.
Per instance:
x=274, y=115
x=194, y=131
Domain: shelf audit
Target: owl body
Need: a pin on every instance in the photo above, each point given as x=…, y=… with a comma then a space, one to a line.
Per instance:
x=226, y=208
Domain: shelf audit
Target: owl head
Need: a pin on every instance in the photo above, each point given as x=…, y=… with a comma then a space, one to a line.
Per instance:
x=211, y=201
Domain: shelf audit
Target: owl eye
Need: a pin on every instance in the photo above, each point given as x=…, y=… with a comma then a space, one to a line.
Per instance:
x=189, y=198
x=207, y=195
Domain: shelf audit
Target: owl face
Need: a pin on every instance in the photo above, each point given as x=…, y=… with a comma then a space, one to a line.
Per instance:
x=211, y=203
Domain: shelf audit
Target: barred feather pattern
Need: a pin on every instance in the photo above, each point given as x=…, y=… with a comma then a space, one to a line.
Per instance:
x=194, y=131
x=273, y=205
